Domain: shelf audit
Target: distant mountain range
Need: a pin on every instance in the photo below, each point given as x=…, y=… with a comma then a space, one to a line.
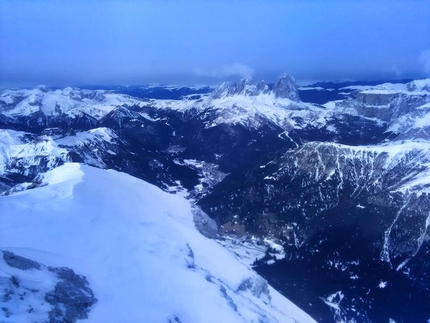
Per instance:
x=332, y=179
x=319, y=92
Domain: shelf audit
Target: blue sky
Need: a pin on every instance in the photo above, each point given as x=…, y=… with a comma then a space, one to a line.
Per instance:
x=194, y=42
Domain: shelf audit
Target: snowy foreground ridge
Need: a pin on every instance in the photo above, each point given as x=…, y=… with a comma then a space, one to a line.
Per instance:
x=137, y=247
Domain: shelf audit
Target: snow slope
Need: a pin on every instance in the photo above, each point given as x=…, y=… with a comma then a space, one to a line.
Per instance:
x=138, y=248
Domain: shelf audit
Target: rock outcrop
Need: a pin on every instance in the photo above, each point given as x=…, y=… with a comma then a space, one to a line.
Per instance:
x=244, y=87
x=286, y=87
x=57, y=294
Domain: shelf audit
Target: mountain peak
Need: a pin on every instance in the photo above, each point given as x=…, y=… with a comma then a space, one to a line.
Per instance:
x=43, y=88
x=419, y=85
x=244, y=87
x=286, y=87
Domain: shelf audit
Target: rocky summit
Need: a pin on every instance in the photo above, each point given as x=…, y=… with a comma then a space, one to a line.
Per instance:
x=286, y=87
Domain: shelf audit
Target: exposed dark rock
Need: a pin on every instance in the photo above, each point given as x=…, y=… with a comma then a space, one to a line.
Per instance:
x=257, y=287
x=418, y=86
x=71, y=299
x=386, y=105
x=6, y=311
x=190, y=258
x=228, y=298
x=205, y=224
x=286, y=87
x=245, y=87
x=174, y=319
x=262, y=87
x=19, y=262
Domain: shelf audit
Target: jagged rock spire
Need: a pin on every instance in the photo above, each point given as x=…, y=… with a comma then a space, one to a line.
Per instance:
x=244, y=87
x=286, y=87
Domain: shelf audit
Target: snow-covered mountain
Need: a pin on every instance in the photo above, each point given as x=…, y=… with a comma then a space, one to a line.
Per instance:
x=253, y=105
x=134, y=248
x=69, y=101
x=331, y=199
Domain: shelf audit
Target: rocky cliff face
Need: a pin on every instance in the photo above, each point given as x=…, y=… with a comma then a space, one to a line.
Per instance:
x=245, y=87
x=386, y=104
x=286, y=87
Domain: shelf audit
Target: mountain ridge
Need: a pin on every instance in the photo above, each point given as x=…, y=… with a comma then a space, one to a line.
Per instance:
x=351, y=173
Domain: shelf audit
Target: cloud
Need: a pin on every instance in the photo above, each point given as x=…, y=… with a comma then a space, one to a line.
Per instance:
x=425, y=61
x=395, y=71
x=237, y=70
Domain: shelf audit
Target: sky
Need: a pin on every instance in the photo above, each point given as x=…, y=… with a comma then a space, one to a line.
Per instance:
x=89, y=42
